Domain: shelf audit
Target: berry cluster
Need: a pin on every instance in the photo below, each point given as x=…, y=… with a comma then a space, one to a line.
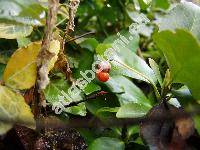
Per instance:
x=103, y=71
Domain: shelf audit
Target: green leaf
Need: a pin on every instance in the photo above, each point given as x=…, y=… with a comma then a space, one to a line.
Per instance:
x=126, y=91
x=54, y=92
x=174, y=102
x=100, y=104
x=22, y=11
x=12, y=31
x=91, y=87
x=54, y=89
x=132, y=110
x=140, y=23
x=133, y=130
x=183, y=16
x=2, y=67
x=106, y=143
x=18, y=17
x=163, y=4
x=101, y=48
x=106, y=113
x=108, y=109
x=183, y=92
x=90, y=43
x=197, y=122
x=88, y=135
x=137, y=17
x=83, y=66
x=132, y=44
x=80, y=109
x=4, y=57
x=14, y=109
x=156, y=70
x=22, y=42
x=144, y=4
x=182, y=52
x=126, y=62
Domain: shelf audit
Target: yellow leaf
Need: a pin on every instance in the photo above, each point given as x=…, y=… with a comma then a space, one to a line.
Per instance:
x=54, y=48
x=21, y=70
x=14, y=110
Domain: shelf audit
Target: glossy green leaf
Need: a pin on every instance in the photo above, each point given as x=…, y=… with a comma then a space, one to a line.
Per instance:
x=56, y=90
x=106, y=143
x=132, y=110
x=86, y=60
x=132, y=40
x=17, y=17
x=160, y=4
x=126, y=62
x=144, y=4
x=140, y=23
x=91, y=87
x=22, y=11
x=90, y=44
x=183, y=92
x=156, y=70
x=183, y=16
x=134, y=129
x=2, y=67
x=182, y=52
x=174, y=102
x=100, y=105
x=126, y=91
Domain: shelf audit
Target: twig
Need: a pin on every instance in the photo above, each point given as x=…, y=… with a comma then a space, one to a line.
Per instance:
x=73, y=6
x=45, y=55
x=86, y=122
x=62, y=62
x=80, y=36
x=93, y=96
x=139, y=53
x=1, y=82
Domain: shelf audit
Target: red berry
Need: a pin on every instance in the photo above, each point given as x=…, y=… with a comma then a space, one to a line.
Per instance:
x=103, y=76
x=104, y=66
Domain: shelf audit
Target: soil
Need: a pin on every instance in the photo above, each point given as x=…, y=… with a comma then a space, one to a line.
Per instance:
x=22, y=138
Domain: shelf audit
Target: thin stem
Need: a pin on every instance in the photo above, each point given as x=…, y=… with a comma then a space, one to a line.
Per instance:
x=61, y=22
x=80, y=36
x=91, y=97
